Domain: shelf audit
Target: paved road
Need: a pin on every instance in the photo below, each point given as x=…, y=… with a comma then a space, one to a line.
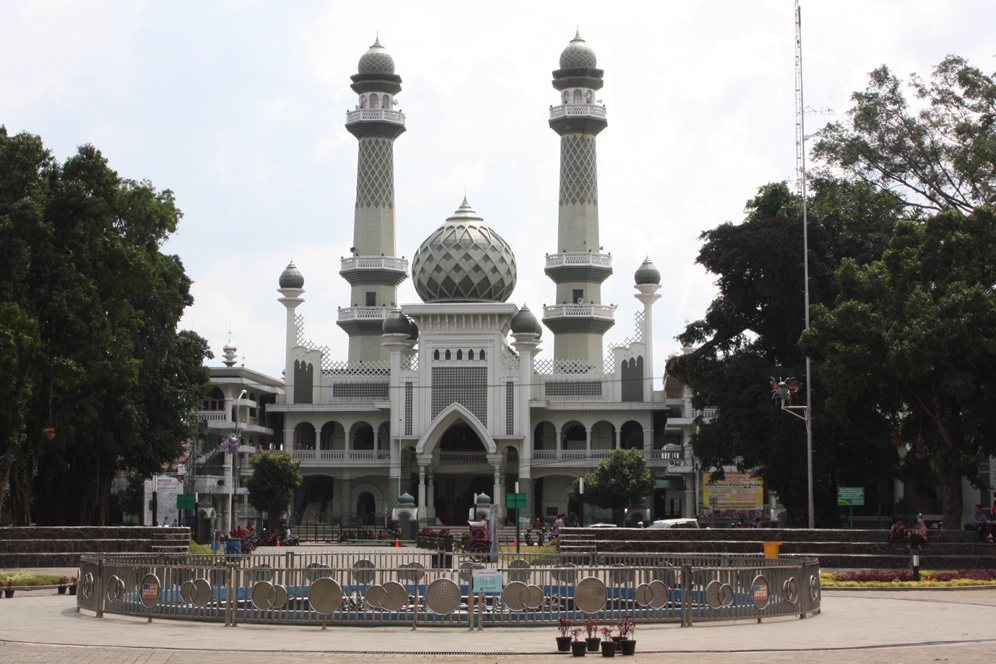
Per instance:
x=854, y=626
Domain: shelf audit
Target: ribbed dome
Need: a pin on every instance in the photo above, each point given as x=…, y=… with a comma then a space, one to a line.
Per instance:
x=524, y=322
x=396, y=323
x=647, y=273
x=376, y=60
x=291, y=277
x=464, y=261
x=578, y=55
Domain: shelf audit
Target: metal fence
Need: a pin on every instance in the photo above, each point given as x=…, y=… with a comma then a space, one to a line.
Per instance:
x=412, y=587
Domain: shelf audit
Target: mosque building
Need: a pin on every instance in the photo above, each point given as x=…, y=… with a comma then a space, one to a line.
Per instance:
x=450, y=398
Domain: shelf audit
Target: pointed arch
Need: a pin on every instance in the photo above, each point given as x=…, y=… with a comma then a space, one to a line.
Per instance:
x=451, y=415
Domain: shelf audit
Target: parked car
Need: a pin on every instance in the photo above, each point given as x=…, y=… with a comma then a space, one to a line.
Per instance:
x=603, y=525
x=675, y=523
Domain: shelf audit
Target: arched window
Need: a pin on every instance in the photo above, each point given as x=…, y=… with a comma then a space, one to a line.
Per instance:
x=387, y=102
x=577, y=96
x=448, y=354
x=363, y=101
x=374, y=101
x=459, y=354
x=435, y=354
x=482, y=354
x=470, y=354
x=567, y=97
x=587, y=97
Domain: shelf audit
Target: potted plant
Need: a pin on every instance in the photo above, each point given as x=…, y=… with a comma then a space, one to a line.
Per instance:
x=593, y=639
x=608, y=645
x=63, y=584
x=627, y=630
x=563, y=641
x=72, y=585
x=9, y=590
x=578, y=647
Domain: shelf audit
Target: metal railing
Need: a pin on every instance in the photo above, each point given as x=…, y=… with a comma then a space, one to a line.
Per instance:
x=412, y=586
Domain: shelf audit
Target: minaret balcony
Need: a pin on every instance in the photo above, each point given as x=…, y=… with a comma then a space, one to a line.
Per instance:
x=375, y=115
x=574, y=110
x=579, y=318
x=374, y=270
x=578, y=266
x=362, y=319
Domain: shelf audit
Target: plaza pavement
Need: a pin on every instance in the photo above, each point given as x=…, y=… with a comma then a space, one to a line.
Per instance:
x=907, y=626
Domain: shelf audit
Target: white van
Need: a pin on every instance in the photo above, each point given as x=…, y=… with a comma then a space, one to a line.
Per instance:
x=675, y=523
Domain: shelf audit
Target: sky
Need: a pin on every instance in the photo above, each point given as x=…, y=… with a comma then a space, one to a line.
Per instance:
x=238, y=107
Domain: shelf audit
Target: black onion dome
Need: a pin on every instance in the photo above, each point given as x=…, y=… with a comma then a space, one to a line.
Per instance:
x=291, y=277
x=578, y=55
x=395, y=323
x=524, y=322
x=376, y=61
x=647, y=273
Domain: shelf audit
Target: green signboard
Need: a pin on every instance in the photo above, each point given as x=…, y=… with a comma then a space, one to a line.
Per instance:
x=515, y=501
x=851, y=495
x=488, y=581
x=185, y=501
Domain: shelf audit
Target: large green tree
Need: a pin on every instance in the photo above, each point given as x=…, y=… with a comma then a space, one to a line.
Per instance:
x=934, y=143
x=750, y=333
x=274, y=476
x=80, y=258
x=914, y=336
x=619, y=481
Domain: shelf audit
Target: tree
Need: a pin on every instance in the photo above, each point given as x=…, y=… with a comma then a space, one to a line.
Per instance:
x=619, y=481
x=274, y=476
x=939, y=156
x=112, y=378
x=751, y=330
x=913, y=335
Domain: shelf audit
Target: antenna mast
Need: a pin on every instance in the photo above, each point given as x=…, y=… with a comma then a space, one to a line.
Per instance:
x=800, y=164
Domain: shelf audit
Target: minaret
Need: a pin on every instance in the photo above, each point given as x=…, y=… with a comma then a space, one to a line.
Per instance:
x=373, y=270
x=579, y=318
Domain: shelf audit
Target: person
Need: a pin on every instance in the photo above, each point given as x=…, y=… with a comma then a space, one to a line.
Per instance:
x=557, y=525
x=979, y=523
x=897, y=533
x=919, y=535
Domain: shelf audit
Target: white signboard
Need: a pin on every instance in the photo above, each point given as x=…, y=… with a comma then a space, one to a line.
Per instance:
x=167, y=488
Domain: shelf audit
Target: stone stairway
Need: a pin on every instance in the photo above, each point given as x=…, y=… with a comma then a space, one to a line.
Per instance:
x=837, y=549
x=61, y=546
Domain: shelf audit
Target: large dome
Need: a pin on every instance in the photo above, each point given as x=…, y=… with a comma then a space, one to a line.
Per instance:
x=464, y=261
x=376, y=60
x=578, y=55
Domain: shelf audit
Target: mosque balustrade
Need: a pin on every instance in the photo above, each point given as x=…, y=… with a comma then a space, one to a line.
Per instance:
x=311, y=458
x=585, y=310
x=347, y=314
x=578, y=258
x=381, y=114
x=462, y=457
x=372, y=264
x=571, y=457
x=566, y=110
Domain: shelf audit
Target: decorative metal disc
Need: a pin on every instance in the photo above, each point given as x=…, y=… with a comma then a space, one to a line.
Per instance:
x=363, y=571
x=511, y=596
x=658, y=594
x=150, y=590
x=712, y=597
x=565, y=573
x=202, y=592
x=261, y=595
x=375, y=596
x=590, y=595
x=467, y=570
x=395, y=596
x=726, y=594
x=790, y=590
x=325, y=595
x=280, y=596
x=442, y=596
x=415, y=574
x=759, y=591
x=520, y=574
x=814, y=587
x=643, y=595
x=187, y=591
x=86, y=585
x=115, y=589
x=532, y=597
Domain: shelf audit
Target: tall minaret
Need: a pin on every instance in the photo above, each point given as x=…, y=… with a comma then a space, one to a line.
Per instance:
x=373, y=270
x=579, y=318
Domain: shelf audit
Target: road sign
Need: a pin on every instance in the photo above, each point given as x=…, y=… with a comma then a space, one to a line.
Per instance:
x=515, y=501
x=851, y=495
x=185, y=501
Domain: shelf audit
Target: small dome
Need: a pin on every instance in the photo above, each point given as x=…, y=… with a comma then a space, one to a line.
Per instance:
x=291, y=277
x=376, y=60
x=406, y=499
x=578, y=55
x=396, y=323
x=524, y=322
x=412, y=330
x=647, y=273
x=464, y=261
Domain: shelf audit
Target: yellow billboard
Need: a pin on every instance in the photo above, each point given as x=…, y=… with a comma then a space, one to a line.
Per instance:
x=736, y=493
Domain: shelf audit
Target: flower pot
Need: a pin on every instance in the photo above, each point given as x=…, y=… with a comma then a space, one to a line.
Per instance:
x=579, y=648
x=628, y=646
x=563, y=644
x=593, y=642
x=8, y=592
x=62, y=590
x=72, y=590
x=608, y=649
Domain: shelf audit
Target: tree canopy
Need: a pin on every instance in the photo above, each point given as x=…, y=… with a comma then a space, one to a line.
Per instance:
x=274, y=476
x=619, y=481
x=938, y=152
x=106, y=382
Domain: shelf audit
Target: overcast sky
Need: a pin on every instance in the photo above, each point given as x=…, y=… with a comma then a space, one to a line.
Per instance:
x=238, y=108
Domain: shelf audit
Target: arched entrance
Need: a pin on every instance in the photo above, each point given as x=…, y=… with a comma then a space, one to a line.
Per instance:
x=462, y=471
x=366, y=508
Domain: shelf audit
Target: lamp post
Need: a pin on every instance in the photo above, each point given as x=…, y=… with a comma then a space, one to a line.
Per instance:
x=234, y=453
